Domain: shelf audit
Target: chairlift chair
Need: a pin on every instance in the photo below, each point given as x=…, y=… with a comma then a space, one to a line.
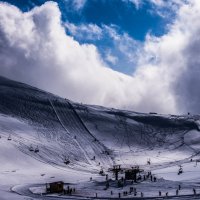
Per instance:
x=180, y=171
x=36, y=149
x=9, y=137
x=102, y=172
x=66, y=161
x=31, y=148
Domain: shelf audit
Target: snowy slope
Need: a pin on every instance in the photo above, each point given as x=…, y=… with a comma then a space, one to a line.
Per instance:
x=62, y=129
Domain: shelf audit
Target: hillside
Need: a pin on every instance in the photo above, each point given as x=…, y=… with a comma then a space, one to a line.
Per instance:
x=90, y=138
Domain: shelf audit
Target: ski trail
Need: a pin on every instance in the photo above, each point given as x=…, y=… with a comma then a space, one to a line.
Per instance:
x=59, y=119
x=79, y=145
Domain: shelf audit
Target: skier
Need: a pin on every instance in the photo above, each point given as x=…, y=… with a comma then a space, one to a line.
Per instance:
x=70, y=191
x=194, y=191
x=160, y=193
x=135, y=192
x=177, y=192
x=142, y=195
x=107, y=185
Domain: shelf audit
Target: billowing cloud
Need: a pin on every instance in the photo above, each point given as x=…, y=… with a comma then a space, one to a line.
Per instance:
x=34, y=48
x=125, y=44
x=163, y=8
x=77, y=4
x=84, y=31
x=110, y=58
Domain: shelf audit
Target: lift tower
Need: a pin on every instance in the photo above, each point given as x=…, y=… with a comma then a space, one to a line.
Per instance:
x=116, y=169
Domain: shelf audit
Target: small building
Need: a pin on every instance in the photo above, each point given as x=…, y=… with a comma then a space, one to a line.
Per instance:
x=55, y=187
x=153, y=113
x=131, y=174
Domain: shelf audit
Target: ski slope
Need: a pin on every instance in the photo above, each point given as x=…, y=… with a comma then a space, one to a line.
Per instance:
x=91, y=138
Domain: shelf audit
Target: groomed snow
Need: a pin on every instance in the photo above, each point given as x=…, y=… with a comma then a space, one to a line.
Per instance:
x=91, y=138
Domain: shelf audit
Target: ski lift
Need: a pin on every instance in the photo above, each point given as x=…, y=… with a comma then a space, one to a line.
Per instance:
x=9, y=137
x=31, y=148
x=36, y=149
x=180, y=171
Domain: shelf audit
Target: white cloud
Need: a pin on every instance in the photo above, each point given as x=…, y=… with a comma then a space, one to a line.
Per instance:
x=163, y=8
x=127, y=46
x=84, y=31
x=111, y=58
x=167, y=9
x=35, y=49
x=175, y=56
x=77, y=4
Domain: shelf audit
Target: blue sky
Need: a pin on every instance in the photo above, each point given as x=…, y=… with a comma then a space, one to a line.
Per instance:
x=128, y=20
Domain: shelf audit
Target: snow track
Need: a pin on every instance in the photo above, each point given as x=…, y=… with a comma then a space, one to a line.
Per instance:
x=24, y=190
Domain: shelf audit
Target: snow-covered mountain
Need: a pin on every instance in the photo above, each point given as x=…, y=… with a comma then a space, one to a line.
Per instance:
x=75, y=141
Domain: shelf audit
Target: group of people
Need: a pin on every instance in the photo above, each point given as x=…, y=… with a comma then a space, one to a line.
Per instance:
x=69, y=190
x=177, y=191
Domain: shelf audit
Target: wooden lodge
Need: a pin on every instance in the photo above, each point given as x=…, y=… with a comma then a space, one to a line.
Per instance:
x=55, y=187
x=131, y=174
